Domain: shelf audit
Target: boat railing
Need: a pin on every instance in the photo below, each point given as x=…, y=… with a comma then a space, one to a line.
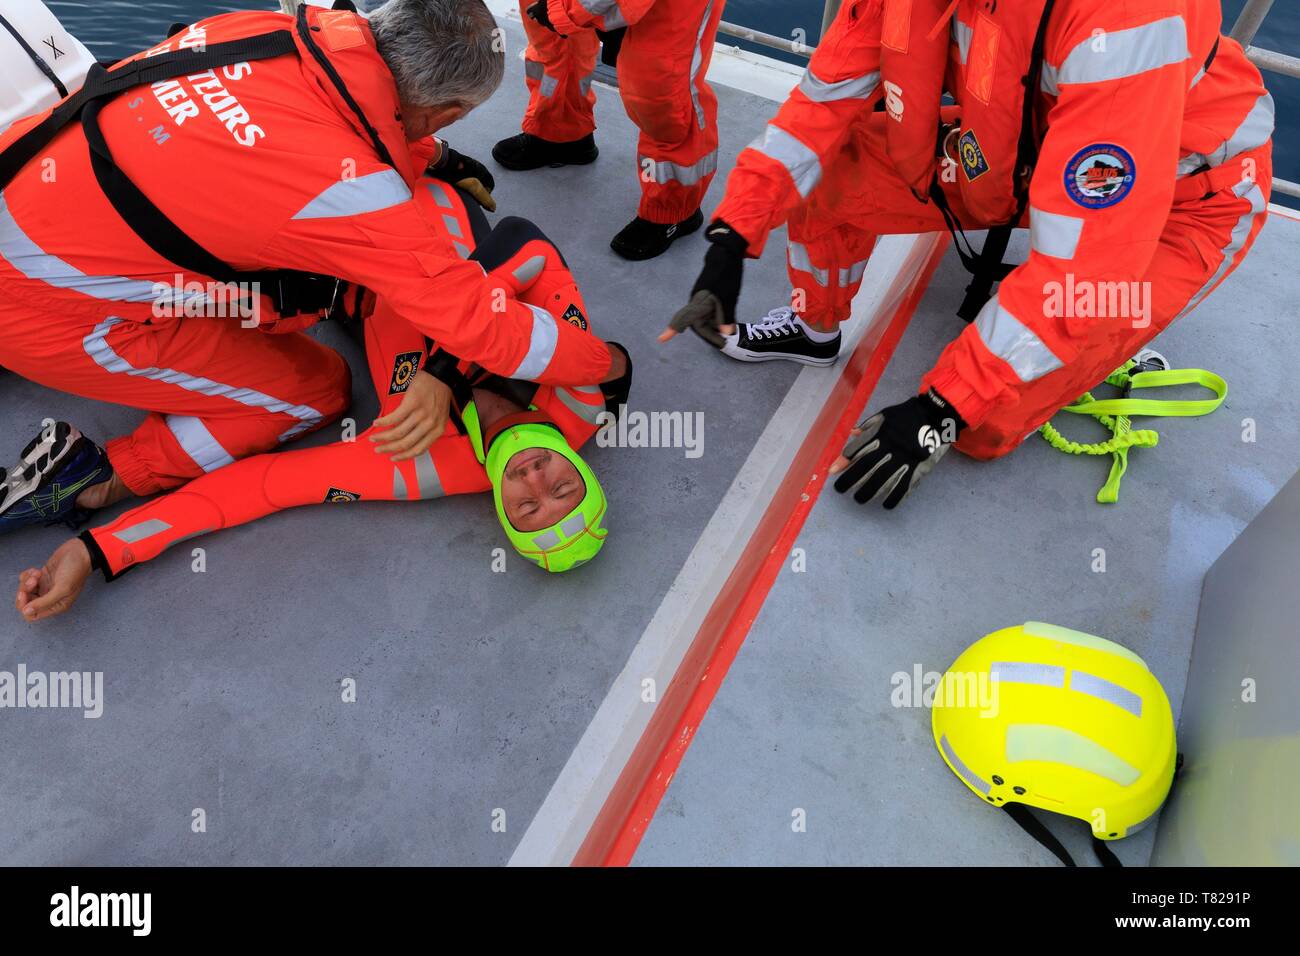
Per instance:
x=1243, y=31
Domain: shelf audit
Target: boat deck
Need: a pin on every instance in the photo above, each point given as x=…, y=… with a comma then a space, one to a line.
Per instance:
x=805, y=718
x=477, y=690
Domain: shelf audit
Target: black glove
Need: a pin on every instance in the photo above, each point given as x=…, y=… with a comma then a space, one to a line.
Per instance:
x=537, y=12
x=467, y=173
x=713, y=298
x=897, y=447
x=611, y=41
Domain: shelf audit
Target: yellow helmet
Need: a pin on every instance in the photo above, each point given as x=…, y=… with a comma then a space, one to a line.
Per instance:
x=1060, y=720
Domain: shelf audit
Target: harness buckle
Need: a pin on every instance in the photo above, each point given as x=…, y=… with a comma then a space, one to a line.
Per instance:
x=1147, y=360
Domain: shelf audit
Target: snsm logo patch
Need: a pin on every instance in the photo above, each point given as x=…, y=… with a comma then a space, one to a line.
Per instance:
x=573, y=315
x=973, y=163
x=404, y=368
x=336, y=495
x=1100, y=175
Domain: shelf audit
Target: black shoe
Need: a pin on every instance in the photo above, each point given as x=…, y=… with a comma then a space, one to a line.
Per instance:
x=643, y=239
x=527, y=151
x=781, y=335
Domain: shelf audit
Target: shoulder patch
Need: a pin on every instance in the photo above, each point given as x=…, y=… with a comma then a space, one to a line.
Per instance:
x=1100, y=175
x=336, y=495
x=340, y=30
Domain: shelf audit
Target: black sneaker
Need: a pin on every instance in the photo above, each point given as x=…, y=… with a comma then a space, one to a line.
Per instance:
x=527, y=151
x=642, y=239
x=781, y=335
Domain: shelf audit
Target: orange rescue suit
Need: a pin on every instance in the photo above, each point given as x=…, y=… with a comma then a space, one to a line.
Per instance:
x=268, y=165
x=661, y=77
x=1153, y=170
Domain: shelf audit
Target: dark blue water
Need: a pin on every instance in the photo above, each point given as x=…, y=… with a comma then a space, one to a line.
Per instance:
x=117, y=27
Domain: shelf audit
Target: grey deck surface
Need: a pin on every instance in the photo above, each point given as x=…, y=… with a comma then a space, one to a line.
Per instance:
x=223, y=688
x=804, y=719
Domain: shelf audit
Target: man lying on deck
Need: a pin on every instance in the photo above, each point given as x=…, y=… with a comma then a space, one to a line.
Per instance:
x=512, y=436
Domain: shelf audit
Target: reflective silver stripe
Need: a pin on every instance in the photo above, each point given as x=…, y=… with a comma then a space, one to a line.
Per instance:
x=199, y=443
x=797, y=255
x=1248, y=190
x=609, y=9
x=854, y=88
x=426, y=478
x=1053, y=234
x=549, y=84
x=1015, y=343
x=1200, y=75
x=1060, y=745
x=462, y=250
x=356, y=197
x=961, y=35
x=588, y=413
x=966, y=773
x=440, y=196
x=574, y=524
x=584, y=83
x=1095, y=686
x=1022, y=672
x=799, y=161
x=35, y=263
x=851, y=274
x=102, y=353
x=1254, y=131
x=453, y=225
x=145, y=529
x=530, y=270
x=541, y=347
x=665, y=171
x=399, y=484
x=697, y=60
x=1122, y=53
x=547, y=540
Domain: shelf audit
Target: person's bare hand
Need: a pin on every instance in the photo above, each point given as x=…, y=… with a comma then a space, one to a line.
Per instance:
x=419, y=421
x=51, y=590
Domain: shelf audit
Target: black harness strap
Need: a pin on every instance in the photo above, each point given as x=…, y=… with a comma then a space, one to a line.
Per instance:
x=36, y=57
x=292, y=292
x=987, y=267
x=304, y=34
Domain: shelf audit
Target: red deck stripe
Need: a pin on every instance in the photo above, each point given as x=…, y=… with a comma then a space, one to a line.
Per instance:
x=622, y=821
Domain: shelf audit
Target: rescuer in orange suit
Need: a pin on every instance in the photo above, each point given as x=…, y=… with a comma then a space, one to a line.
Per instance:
x=286, y=151
x=1148, y=146
x=662, y=49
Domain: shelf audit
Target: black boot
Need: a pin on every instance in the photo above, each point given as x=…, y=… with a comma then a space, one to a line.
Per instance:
x=527, y=151
x=643, y=239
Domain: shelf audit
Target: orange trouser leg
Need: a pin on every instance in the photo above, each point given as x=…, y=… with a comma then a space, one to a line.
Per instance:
x=661, y=74
x=215, y=391
x=831, y=235
x=558, y=72
x=1202, y=243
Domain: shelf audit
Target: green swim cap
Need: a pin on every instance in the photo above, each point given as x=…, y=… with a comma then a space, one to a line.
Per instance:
x=578, y=536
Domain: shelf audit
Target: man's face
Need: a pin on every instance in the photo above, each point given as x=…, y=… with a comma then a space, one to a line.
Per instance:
x=538, y=488
x=422, y=121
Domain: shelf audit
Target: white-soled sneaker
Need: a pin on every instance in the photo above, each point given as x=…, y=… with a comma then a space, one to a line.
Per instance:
x=782, y=335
